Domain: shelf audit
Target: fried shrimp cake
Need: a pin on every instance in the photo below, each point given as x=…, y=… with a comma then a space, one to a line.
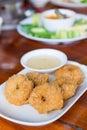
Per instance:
x=70, y=72
x=68, y=87
x=68, y=90
x=45, y=98
x=38, y=78
x=18, y=89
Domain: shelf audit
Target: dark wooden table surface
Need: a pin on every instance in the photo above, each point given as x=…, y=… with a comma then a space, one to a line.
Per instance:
x=13, y=46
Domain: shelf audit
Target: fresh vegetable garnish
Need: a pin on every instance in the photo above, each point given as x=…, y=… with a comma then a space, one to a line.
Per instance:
x=83, y=1
x=81, y=22
x=37, y=30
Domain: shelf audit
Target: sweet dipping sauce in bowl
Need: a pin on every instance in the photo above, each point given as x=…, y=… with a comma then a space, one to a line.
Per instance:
x=54, y=21
x=43, y=60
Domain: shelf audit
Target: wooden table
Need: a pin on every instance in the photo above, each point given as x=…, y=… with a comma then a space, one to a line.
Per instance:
x=12, y=47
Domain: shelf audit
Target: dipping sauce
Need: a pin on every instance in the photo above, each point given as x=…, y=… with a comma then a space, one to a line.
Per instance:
x=54, y=16
x=43, y=62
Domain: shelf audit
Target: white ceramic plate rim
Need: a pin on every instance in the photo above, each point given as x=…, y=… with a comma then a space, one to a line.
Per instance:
x=77, y=5
x=49, y=41
x=27, y=115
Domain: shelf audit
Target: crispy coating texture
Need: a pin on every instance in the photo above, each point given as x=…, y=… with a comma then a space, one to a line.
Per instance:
x=18, y=89
x=40, y=92
x=68, y=90
x=70, y=72
x=68, y=87
x=45, y=98
x=38, y=78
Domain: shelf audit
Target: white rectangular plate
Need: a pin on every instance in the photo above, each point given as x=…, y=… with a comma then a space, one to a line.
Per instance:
x=27, y=115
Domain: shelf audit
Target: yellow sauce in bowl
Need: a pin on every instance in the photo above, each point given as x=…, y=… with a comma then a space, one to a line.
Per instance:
x=43, y=62
x=53, y=16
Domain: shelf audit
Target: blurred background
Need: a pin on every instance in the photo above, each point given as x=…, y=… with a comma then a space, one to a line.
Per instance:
x=12, y=11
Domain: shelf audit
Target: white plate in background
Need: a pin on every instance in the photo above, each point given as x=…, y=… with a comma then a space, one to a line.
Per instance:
x=68, y=4
x=48, y=40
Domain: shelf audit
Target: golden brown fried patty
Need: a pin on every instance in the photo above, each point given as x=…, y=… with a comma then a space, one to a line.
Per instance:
x=70, y=72
x=45, y=98
x=38, y=78
x=18, y=89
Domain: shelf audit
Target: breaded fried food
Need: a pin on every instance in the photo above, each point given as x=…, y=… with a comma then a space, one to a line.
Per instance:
x=68, y=87
x=68, y=90
x=18, y=89
x=70, y=72
x=45, y=98
x=38, y=78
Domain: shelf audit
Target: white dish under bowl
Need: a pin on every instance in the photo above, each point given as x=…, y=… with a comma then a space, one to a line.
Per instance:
x=50, y=41
x=69, y=4
x=44, y=60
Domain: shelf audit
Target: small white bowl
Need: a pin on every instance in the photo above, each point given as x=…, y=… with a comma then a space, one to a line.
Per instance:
x=55, y=24
x=39, y=3
x=43, y=60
